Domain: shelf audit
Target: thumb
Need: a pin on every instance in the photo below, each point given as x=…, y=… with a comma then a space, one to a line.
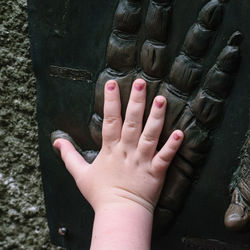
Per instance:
x=72, y=159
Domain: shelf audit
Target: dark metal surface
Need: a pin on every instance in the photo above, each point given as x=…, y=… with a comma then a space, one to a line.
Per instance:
x=69, y=41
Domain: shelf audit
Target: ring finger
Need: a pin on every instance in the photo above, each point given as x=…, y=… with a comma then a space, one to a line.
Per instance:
x=151, y=133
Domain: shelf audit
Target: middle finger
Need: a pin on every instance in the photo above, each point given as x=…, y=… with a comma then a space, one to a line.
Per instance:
x=132, y=126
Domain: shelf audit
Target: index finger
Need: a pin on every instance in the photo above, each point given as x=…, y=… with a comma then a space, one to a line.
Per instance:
x=112, y=121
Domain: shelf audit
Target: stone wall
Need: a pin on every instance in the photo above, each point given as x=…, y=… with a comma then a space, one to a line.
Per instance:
x=23, y=223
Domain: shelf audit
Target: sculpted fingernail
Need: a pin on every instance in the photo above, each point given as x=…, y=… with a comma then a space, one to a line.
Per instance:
x=159, y=103
x=176, y=136
x=111, y=86
x=139, y=86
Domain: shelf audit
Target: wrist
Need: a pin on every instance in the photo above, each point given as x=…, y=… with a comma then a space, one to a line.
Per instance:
x=129, y=208
x=119, y=198
x=126, y=224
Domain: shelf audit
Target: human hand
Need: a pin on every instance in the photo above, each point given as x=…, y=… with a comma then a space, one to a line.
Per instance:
x=127, y=171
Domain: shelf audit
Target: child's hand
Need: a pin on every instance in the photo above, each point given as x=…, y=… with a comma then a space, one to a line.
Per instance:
x=128, y=171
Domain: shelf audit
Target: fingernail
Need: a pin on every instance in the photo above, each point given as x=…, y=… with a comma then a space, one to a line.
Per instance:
x=176, y=136
x=111, y=85
x=57, y=145
x=139, y=86
x=57, y=148
x=159, y=103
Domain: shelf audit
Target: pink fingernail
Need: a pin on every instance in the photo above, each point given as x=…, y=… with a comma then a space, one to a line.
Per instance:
x=159, y=103
x=176, y=136
x=139, y=86
x=111, y=86
x=57, y=145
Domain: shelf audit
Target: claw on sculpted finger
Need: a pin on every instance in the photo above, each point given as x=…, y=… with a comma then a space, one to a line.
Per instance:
x=199, y=35
x=229, y=59
x=211, y=14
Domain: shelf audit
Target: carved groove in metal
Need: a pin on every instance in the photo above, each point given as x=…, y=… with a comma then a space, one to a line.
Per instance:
x=72, y=74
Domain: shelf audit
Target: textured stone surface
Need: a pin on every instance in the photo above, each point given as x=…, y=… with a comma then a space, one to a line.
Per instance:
x=23, y=224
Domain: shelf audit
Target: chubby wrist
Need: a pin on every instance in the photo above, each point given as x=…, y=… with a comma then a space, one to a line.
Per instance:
x=130, y=207
x=127, y=224
x=121, y=199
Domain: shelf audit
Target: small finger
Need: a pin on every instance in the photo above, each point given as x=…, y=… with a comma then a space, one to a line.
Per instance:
x=132, y=125
x=73, y=161
x=112, y=122
x=163, y=158
x=150, y=135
